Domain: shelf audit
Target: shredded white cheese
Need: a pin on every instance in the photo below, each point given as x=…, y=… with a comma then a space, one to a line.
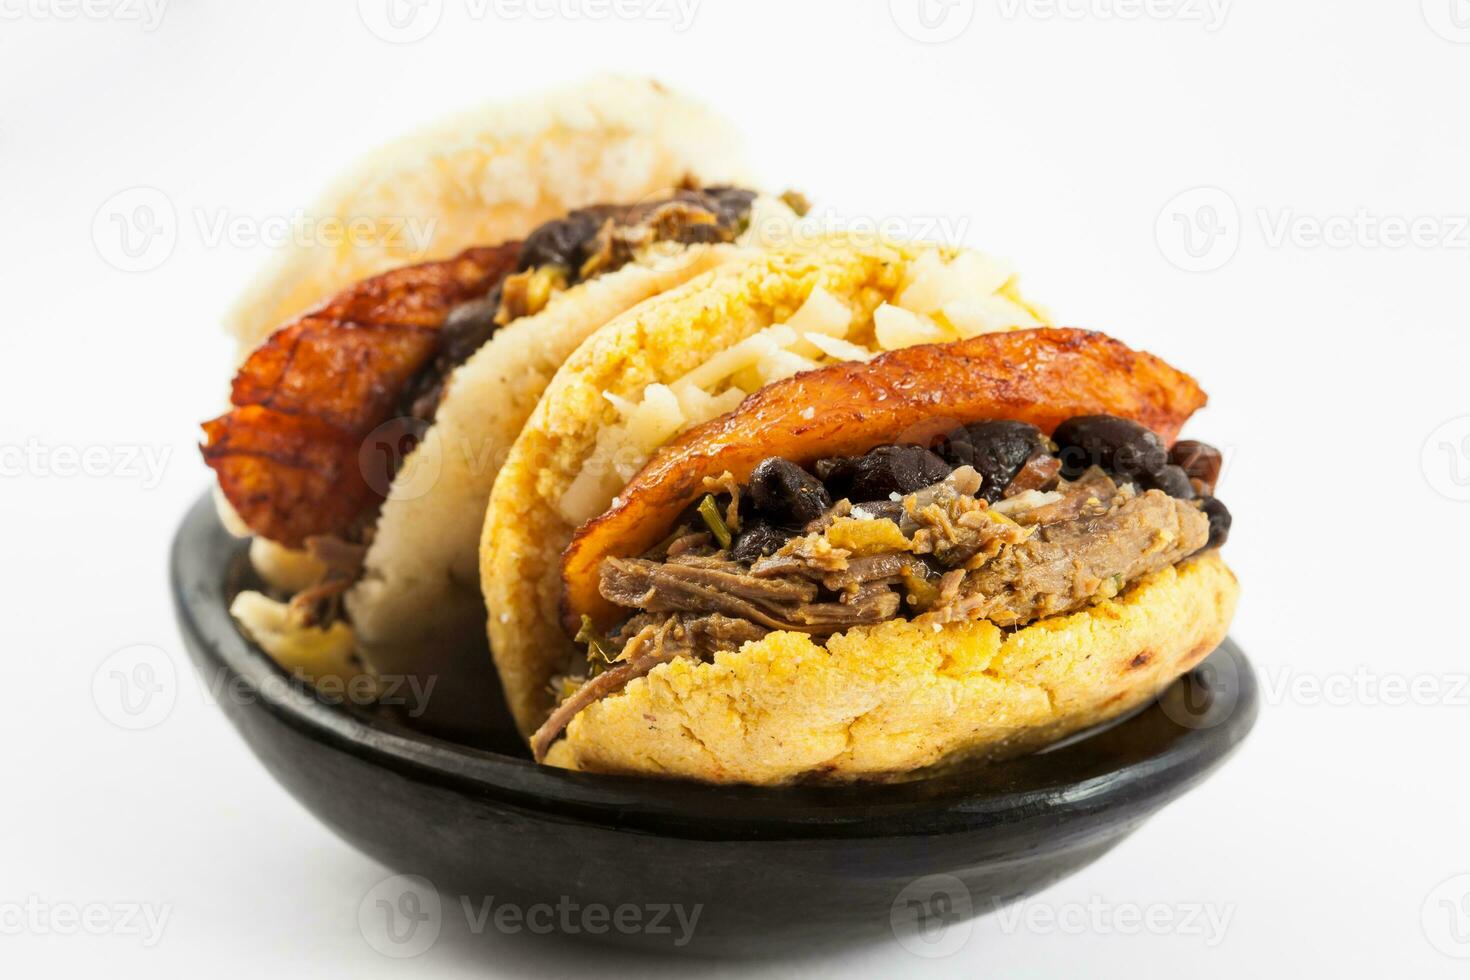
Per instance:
x=1029, y=500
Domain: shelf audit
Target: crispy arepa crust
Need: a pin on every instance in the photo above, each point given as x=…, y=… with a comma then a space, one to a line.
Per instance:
x=890, y=700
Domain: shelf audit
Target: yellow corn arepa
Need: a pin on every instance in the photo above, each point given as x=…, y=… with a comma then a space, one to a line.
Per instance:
x=528, y=523
x=889, y=700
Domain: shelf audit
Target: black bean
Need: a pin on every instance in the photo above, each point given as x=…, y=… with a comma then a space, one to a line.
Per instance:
x=1172, y=480
x=570, y=240
x=1219, y=521
x=784, y=493
x=1118, y=445
x=997, y=449
x=564, y=241
x=882, y=471
x=824, y=468
x=756, y=540
x=731, y=204
x=1200, y=460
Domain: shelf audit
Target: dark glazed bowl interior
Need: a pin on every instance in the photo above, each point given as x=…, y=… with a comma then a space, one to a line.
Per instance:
x=772, y=869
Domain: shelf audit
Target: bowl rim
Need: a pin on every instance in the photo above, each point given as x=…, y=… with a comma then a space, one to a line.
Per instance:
x=204, y=554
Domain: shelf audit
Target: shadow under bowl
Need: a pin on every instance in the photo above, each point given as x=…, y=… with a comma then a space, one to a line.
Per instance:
x=769, y=870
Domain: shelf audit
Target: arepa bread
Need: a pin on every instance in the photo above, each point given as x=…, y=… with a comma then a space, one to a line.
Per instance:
x=873, y=637
x=489, y=175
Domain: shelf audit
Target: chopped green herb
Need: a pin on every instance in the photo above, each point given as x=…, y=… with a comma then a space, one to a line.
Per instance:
x=597, y=649
x=710, y=511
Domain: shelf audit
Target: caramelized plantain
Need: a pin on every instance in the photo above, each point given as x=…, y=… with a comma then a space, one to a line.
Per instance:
x=287, y=454
x=913, y=395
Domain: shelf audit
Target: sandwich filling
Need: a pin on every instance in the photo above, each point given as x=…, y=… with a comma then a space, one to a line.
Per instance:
x=993, y=521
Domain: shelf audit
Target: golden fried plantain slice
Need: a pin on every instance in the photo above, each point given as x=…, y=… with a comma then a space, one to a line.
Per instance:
x=1042, y=376
x=292, y=475
x=286, y=455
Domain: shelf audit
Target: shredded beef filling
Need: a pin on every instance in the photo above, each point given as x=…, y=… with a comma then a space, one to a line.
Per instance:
x=1055, y=557
x=1068, y=565
x=786, y=602
x=342, y=564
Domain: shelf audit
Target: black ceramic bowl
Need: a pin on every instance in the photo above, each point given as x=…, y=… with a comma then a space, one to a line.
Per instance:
x=770, y=869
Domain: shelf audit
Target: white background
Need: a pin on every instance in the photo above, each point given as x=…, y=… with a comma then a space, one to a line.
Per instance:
x=1059, y=141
